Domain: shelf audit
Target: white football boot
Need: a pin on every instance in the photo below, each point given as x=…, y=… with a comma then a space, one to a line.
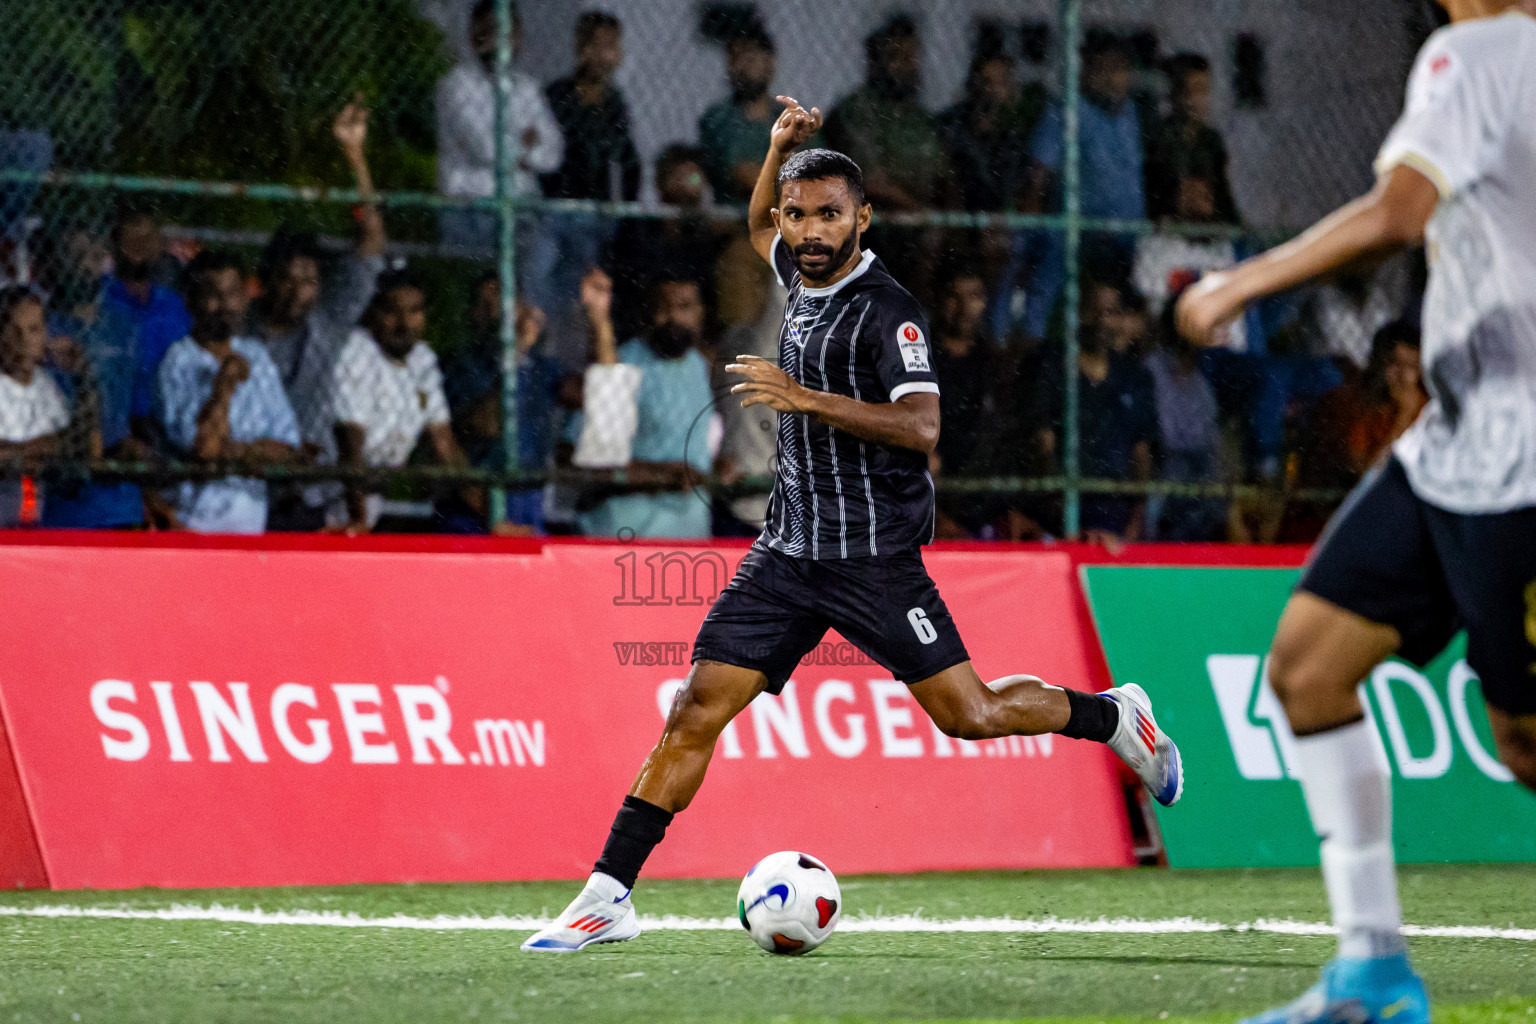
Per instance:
x=602, y=912
x=1145, y=747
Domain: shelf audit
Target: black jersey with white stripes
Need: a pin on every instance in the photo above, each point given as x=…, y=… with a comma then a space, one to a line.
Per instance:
x=837, y=495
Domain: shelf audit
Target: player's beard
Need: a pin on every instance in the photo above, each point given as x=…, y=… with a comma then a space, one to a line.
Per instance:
x=840, y=256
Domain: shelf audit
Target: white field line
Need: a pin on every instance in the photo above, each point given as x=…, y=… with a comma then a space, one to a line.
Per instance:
x=893, y=923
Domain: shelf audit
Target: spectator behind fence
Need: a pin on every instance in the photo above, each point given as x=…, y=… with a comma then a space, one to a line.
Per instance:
x=472, y=382
x=734, y=132
x=1164, y=259
x=1353, y=425
x=99, y=342
x=1117, y=420
x=304, y=323
x=964, y=358
x=1188, y=439
x=676, y=425
x=466, y=133
x=221, y=400
x=156, y=314
x=600, y=160
x=987, y=133
x=389, y=391
x=1185, y=146
x=884, y=128
x=1129, y=326
x=33, y=411
x=1341, y=318
x=749, y=441
x=686, y=246
x=1113, y=164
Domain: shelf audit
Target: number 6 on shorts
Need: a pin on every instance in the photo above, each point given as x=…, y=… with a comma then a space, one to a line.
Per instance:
x=921, y=626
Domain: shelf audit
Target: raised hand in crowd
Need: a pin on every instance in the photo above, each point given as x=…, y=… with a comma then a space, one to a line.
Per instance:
x=351, y=131
x=528, y=325
x=597, y=301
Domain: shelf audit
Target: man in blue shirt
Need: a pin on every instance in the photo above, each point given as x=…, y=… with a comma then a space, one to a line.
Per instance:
x=123, y=324
x=1112, y=162
x=222, y=400
x=472, y=381
x=672, y=443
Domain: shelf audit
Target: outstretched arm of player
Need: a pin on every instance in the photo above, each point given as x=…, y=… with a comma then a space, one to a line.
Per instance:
x=912, y=421
x=794, y=126
x=1389, y=218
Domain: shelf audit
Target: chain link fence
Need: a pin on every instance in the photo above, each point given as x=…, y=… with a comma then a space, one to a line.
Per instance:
x=503, y=298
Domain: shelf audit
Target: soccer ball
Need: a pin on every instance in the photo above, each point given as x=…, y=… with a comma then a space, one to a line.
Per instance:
x=789, y=903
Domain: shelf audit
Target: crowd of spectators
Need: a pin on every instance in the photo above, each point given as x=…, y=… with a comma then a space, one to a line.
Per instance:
x=623, y=326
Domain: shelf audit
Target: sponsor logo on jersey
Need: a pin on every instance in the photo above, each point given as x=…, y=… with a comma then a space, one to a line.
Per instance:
x=914, y=347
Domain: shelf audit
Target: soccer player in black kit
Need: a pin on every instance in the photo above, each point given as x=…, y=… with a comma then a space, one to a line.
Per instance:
x=852, y=505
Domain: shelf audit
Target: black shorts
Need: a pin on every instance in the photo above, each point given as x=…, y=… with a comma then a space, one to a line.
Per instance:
x=1391, y=557
x=777, y=609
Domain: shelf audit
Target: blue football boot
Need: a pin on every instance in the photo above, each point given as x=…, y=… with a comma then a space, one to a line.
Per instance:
x=1380, y=991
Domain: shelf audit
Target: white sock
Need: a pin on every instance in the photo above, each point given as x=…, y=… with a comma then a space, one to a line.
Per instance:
x=1348, y=789
x=606, y=886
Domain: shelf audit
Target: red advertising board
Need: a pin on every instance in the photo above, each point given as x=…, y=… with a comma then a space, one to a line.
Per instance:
x=202, y=717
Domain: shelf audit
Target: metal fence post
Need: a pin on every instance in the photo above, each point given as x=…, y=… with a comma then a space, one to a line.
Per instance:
x=1072, y=208
x=506, y=263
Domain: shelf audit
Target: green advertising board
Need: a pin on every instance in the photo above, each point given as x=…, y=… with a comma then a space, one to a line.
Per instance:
x=1195, y=639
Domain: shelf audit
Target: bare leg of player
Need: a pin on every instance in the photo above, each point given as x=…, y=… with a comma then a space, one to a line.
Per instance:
x=963, y=706
x=1319, y=657
x=714, y=694
x=1515, y=736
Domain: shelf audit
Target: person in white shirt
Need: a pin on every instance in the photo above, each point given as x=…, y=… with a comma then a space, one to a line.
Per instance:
x=33, y=412
x=1164, y=260
x=389, y=391
x=1443, y=533
x=466, y=133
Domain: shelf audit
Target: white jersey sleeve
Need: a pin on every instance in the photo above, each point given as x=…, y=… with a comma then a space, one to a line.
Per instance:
x=1456, y=118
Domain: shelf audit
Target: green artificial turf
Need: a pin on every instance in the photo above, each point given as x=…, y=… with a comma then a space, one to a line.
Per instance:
x=114, y=970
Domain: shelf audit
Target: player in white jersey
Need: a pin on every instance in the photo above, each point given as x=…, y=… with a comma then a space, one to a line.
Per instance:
x=1442, y=534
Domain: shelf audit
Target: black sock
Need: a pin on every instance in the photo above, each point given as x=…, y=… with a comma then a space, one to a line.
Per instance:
x=637, y=828
x=1094, y=717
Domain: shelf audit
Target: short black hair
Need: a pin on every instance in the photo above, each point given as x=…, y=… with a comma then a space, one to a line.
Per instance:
x=674, y=156
x=205, y=264
x=592, y=22
x=1104, y=43
x=395, y=279
x=12, y=296
x=664, y=277
x=898, y=28
x=821, y=165
x=487, y=9
x=958, y=268
x=1181, y=65
x=130, y=212
x=735, y=24
x=284, y=247
x=490, y=275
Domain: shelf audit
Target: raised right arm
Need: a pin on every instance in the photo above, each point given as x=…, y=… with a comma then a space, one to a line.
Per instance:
x=794, y=126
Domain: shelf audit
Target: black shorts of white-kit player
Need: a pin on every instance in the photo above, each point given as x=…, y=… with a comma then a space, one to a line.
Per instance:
x=840, y=547
x=1391, y=557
